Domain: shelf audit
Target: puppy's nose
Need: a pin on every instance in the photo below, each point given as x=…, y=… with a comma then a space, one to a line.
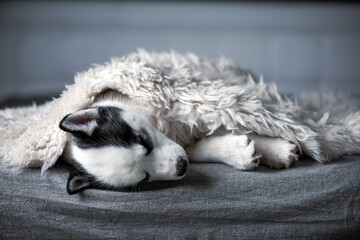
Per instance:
x=181, y=166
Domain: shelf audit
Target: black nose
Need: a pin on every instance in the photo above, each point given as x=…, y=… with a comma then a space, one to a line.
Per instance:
x=181, y=166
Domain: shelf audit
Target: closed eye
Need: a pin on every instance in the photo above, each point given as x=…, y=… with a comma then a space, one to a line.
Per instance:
x=145, y=140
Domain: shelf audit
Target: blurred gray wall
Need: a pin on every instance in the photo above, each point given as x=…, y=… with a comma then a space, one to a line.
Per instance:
x=301, y=47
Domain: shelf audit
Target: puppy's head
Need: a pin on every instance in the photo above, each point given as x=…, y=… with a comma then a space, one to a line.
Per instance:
x=117, y=148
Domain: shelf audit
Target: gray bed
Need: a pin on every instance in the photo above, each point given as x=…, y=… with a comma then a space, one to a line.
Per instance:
x=213, y=201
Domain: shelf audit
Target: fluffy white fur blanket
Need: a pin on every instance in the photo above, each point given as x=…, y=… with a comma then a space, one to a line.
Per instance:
x=186, y=98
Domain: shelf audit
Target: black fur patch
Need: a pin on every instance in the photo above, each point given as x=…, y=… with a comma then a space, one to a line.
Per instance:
x=112, y=130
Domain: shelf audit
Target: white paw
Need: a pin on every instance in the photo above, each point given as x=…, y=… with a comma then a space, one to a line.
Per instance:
x=239, y=151
x=279, y=153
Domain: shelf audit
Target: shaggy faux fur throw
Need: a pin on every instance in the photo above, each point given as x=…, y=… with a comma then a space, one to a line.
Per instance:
x=186, y=98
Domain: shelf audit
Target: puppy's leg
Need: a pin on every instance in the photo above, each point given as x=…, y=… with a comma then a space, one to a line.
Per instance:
x=235, y=150
x=276, y=152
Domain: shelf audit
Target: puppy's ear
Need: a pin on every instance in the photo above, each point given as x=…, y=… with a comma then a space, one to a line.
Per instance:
x=77, y=182
x=82, y=121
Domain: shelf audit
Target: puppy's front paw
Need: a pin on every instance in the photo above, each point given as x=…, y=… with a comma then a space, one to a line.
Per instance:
x=279, y=154
x=240, y=152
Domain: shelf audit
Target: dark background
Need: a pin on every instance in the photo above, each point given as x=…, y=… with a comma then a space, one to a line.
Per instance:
x=301, y=46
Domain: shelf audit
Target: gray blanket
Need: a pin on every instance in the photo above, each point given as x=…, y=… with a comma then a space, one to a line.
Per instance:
x=213, y=201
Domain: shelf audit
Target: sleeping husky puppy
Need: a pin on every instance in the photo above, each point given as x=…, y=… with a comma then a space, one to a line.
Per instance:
x=114, y=145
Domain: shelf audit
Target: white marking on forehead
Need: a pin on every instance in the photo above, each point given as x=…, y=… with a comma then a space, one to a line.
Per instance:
x=134, y=120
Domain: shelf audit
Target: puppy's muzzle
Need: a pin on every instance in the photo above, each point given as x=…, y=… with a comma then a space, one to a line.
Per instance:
x=181, y=166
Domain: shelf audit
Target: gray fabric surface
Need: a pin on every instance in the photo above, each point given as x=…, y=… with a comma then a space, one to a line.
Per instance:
x=213, y=201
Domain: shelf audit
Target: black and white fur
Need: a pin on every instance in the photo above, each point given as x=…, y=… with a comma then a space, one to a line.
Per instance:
x=114, y=145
